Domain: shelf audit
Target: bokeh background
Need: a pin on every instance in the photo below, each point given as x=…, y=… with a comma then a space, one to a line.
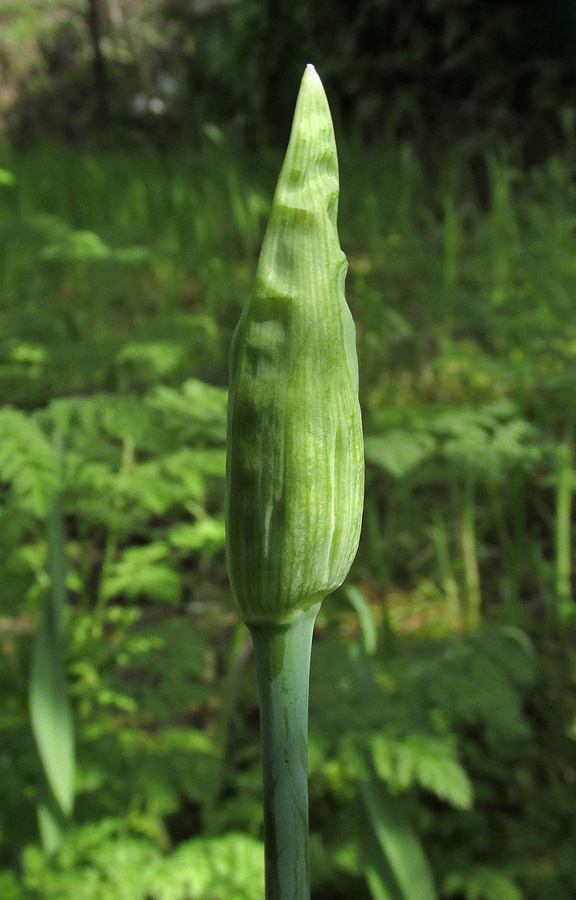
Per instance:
x=140, y=142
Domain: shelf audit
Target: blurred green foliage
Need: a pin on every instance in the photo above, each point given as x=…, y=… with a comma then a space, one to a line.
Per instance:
x=105, y=862
x=442, y=711
x=429, y=70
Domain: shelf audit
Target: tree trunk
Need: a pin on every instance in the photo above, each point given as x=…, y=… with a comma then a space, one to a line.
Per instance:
x=100, y=81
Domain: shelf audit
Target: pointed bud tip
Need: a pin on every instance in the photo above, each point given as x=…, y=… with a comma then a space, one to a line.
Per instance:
x=312, y=111
x=311, y=77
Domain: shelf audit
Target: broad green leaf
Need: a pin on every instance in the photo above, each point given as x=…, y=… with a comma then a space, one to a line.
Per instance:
x=50, y=824
x=102, y=862
x=396, y=865
x=143, y=572
x=208, y=536
x=156, y=359
x=224, y=868
x=399, y=452
x=6, y=178
x=50, y=710
x=424, y=759
x=87, y=868
x=51, y=714
x=482, y=883
x=10, y=888
x=198, y=410
x=77, y=245
x=27, y=462
x=365, y=618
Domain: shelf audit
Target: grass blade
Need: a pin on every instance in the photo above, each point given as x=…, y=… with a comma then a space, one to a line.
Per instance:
x=396, y=865
x=50, y=709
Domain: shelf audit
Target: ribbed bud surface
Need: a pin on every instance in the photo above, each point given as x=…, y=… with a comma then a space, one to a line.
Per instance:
x=295, y=468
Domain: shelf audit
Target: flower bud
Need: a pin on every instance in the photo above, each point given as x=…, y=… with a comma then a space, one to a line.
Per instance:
x=295, y=464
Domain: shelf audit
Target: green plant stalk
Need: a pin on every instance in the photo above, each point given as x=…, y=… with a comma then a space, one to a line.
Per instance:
x=470, y=557
x=449, y=583
x=283, y=664
x=112, y=537
x=451, y=244
x=564, y=531
x=238, y=657
x=513, y=551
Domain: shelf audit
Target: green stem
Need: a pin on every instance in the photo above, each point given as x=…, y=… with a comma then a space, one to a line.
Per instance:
x=564, y=531
x=470, y=557
x=283, y=664
x=232, y=685
x=449, y=583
